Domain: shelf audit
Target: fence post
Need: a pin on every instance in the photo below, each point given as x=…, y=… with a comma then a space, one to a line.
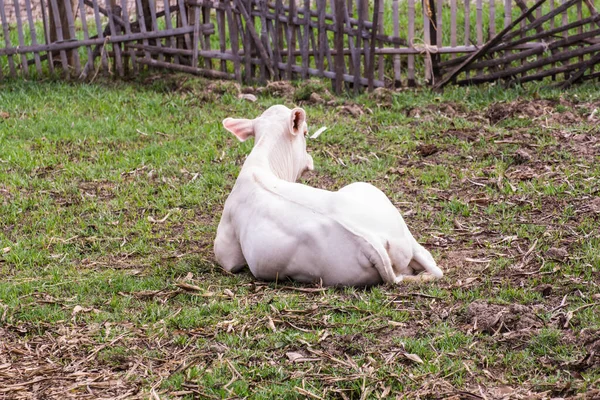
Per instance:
x=340, y=7
x=430, y=14
x=61, y=22
x=374, y=28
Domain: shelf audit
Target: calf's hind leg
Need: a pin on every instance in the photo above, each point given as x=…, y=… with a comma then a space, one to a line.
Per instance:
x=228, y=251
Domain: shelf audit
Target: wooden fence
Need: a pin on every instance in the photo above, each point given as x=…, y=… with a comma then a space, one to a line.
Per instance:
x=355, y=43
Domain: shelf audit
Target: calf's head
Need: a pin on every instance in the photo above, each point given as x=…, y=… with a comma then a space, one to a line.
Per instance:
x=279, y=140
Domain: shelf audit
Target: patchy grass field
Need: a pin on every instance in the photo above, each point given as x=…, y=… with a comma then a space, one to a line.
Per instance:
x=109, y=200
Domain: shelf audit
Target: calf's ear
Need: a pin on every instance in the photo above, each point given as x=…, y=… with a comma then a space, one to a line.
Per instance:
x=297, y=121
x=242, y=128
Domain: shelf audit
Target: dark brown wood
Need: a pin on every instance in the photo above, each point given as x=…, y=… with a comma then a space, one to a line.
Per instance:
x=45, y=23
x=558, y=57
x=315, y=14
x=115, y=10
x=150, y=6
x=142, y=18
x=59, y=27
x=521, y=4
x=227, y=56
x=186, y=68
x=411, y=35
x=371, y=65
x=322, y=36
x=182, y=21
x=553, y=47
x=11, y=62
x=86, y=36
x=487, y=46
x=56, y=30
x=206, y=46
x=233, y=37
x=368, y=33
x=296, y=38
x=331, y=75
x=221, y=29
x=116, y=39
x=437, y=17
x=247, y=44
x=397, y=64
x=291, y=40
x=36, y=55
x=70, y=15
x=585, y=65
x=195, y=11
x=435, y=57
x=453, y=38
x=126, y=27
x=539, y=21
x=340, y=15
x=249, y=4
x=380, y=42
x=304, y=46
x=169, y=25
x=24, y=64
x=388, y=39
x=99, y=50
x=356, y=57
x=264, y=37
x=144, y=11
x=492, y=19
x=277, y=35
x=514, y=44
x=550, y=72
x=592, y=9
x=261, y=50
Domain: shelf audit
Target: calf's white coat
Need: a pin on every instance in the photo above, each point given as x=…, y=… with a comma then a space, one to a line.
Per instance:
x=282, y=229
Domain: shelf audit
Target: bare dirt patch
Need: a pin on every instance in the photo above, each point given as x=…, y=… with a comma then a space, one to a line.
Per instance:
x=535, y=109
x=492, y=318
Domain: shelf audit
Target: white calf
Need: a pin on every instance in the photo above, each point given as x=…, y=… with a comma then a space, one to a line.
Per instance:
x=282, y=229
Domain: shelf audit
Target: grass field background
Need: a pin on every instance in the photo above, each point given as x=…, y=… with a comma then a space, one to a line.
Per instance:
x=110, y=195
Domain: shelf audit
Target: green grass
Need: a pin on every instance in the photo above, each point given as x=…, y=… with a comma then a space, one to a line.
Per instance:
x=89, y=280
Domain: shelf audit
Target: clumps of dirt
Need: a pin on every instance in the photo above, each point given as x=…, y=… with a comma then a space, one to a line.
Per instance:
x=547, y=109
x=278, y=89
x=557, y=253
x=583, y=144
x=466, y=134
x=345, y=344
x=313, y=92
x=522, y=173
x=224, y=87
x=353, y=110
x=594, y=205
x=382, y=96
x=101, y=189
x=521, y=156
x=493, y=318
x=544, y=289
x=590, y=340
x=427, y=149
x=447, y=110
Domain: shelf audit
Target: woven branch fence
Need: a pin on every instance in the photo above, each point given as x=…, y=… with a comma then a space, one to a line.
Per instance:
x=355, y=43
